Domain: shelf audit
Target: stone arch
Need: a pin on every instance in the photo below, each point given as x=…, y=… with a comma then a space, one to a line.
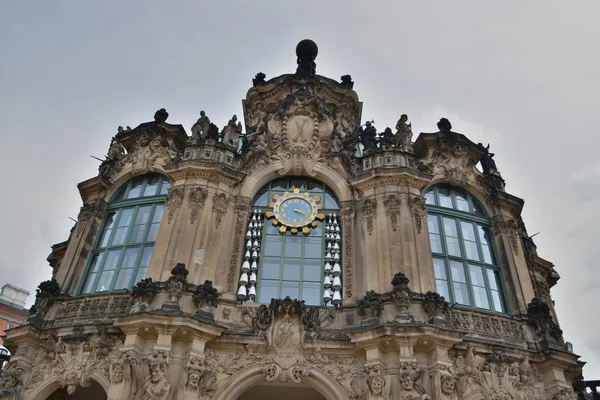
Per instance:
x=323, y=173
x=252, y=376
x=127, y=174
x=51, y=385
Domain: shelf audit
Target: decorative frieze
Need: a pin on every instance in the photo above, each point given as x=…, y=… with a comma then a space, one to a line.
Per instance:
x=173, y=202
x=418, y=208
x=392, y=203
x=98, y=306
x=369, y=208
x=219, y=207
x=486, y=324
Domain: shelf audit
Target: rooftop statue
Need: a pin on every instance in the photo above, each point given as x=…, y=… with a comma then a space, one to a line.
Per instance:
x=200, y=128
x=347, y=82
x=259, y=79
x=387, y=139
x=487, y=161
x=444, y=125
x=161, y=116
x=231, y=133
x=116, y=151
x=368, y=136
x=403, y=137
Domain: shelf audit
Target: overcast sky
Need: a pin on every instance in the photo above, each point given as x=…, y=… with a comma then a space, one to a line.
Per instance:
x=520, y=75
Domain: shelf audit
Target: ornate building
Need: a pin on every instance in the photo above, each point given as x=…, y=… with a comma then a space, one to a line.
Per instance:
x=308, y=257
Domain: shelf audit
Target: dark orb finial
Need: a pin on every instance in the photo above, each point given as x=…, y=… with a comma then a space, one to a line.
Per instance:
x=306, y=51
x=444, y=125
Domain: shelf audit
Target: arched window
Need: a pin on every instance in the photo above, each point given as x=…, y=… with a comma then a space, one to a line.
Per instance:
x=124, y=246
x=280, y=263
x=464, y=257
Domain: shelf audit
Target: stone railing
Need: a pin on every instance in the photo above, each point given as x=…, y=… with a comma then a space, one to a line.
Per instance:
x=96, y=306
x=485, y=324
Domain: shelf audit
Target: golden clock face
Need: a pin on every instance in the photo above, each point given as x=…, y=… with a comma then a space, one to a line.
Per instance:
x=296, y=211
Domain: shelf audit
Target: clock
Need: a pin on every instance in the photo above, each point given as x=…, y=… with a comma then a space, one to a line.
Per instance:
x=295, y=211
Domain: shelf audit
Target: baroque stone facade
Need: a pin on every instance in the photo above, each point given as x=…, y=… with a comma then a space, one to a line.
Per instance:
x=182, y=331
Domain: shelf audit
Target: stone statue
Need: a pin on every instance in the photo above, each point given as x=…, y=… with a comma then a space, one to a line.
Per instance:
x=368, y=137
x=200, y=128
x=387, y=139
x=189, y=386
x=449, y=387
x=487, y=161
x=155, y=386
x=121, y=381
x=161, y=116
x=523, y=386
x=231, y=133
x=444, y=125
x=376, y=385
x=255, y=149
x=409, y=390
x=259, y=79
x=116, y=151
x=404, y=133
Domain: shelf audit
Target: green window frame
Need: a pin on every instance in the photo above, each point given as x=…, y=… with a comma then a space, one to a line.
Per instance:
x=465, y=264
x=292, y=265
x=123, y=247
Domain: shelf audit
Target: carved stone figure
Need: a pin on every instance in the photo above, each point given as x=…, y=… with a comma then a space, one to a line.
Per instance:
x=540, y=318
x=368, y=137
x=403, y=137
x=259, y=79
x=121, y=381
x=200, y=128
x=231, y=133
x=116, y=151
x=255, y=150
x=449, y=387
x=370, y=307
x=155, y=386
x=347, y=82
x=523, y=386
x=401, y=294
x=306, y=51
x=487, y=161
x=376, y=385
x=444, y=125
x=387, y=139
x=409, y=389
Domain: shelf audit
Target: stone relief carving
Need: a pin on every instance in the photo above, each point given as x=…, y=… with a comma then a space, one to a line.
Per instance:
x=392, y=205
x=92, y=307
x=197, y=198
x=401, y=295
x=509, y=227
x=410, y=389
x=219, y=208
x=539, y=317
x=72, y=358
x=435, y=305
x=122, y=379
x=487, y=325
x=173, y=202
x=565, y=394
x=369, y=208
x=242, y=211
x=155, y=385
x=347, y=219
x=370, y=307
x=11, y=381
x=497, y=377
x=418, y=209
x=376, y=385
x=87, y=213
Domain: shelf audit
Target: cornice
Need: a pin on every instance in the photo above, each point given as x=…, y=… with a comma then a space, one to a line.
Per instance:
x=397, y=176
x=200, y=169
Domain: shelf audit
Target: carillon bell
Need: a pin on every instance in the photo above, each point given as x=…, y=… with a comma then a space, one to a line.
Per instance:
x=326, y=295
x=337, y=270
x=337, y=283
x=244, y=279
x=245, y=266
x=253, y=277
x=327, y=281
x=327, y=268
x=337, y=298
x=241, y=294
x=254, y=266
x=252, y=292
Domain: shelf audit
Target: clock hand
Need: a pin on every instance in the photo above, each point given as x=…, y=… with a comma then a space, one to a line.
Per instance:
x=301, y=212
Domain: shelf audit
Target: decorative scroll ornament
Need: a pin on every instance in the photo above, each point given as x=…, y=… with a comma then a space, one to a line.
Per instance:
x=295, y=211
x=418, y=209
x=197, y=198
x=219, y=208
x=173, y=202
x=510, y=228
x=369, y=208
x=392, y=205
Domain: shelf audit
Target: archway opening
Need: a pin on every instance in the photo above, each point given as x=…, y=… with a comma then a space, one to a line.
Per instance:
x=278, y=391
x=93, y=392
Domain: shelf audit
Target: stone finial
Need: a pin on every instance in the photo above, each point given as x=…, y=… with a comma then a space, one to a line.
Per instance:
x=180, y=271
x=306, y=51
x=161, y=116
x=444, y=125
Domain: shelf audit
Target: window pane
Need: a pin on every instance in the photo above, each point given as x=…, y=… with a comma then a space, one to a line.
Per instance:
x=318, y=231
x=262, y=199
x=329, y=202
x=480, y=296
x=485, y=239
x=478, y=210
x=467, y=231
x=273, y=246
x=487, y=255
x=112, y=258
x=450, y=227
x=457, y=270
x=268, y=290
x=430, y=198
x=444, y=197
x=453, y=246
x=271, y=229
x=432, y=224
x=152, y=185
x=152, y=232
x=315, y=187
x=476, y=275
x=298, y=183
x=145, y=261
x=137, y=234
x=461, y=293
x=461, y=202
x=498, y=301
x=136, y=188
x=280, y=185
x=442, y=288
x=494, y=279
x=313, y=247
x=291, y=289
x=141, y=274
x=439, y=268
x=291, y=269
x=452, y=242
x=165, y=186
x=143, y=215
x=471, y=250
x=312, y=270
x=105, y=280
x=436, y=243
x=270, y=268
x=129, y=258
x=312, y=292
x=89, y=282
x=293, y=246
x=123, y=279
